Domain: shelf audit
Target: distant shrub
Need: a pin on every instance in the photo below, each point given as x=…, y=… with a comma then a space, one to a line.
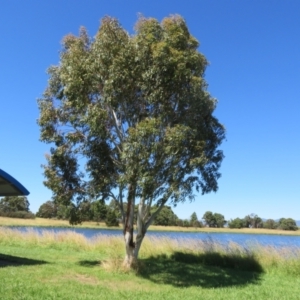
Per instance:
x=270, y=224
x=47, y=210
x=197, y=224
x=186, y=223
x=236, y=223
x=18, y=214
x=287, y=224
x=111, y=219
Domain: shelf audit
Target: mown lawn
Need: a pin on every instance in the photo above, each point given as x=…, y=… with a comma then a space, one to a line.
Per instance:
x=70, y=267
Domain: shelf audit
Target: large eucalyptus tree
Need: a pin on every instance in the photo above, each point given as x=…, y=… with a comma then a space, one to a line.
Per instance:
x=130, y=119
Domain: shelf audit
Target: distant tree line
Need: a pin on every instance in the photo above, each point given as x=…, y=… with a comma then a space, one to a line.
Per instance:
x=254, y=221
x=96, y=211
x=15, y=207
x=99, y=211
x=110, y=213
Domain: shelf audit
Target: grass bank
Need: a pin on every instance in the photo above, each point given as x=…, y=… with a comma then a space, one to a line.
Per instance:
x=63, y=223
x=69, y=266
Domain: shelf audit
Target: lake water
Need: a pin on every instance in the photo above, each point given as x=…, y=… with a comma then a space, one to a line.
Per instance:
x=223, y=238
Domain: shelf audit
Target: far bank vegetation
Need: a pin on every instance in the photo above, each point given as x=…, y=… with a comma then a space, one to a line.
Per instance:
x=109, y=213
x=99, y=211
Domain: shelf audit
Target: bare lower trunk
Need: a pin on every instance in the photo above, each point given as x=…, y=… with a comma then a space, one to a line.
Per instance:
x=143, y=223
x=133, y=248
x=129, y=247
x=128, y=229
x=141, y=229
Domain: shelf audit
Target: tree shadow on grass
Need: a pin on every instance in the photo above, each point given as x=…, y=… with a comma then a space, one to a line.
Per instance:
x=210, y=270
x=16, y=261
x=89, y=263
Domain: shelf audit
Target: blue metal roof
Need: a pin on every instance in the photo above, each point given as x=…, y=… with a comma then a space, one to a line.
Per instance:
x=9, y=186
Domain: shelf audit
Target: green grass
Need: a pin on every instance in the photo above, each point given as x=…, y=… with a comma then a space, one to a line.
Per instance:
x=68, y=266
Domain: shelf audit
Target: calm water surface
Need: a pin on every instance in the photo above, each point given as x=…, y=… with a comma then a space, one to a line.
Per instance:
x=223, y=238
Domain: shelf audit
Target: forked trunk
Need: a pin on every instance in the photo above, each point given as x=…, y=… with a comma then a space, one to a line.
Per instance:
x=132, y=249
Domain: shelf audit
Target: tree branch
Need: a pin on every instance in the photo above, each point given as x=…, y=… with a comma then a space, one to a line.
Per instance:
x=149, y=222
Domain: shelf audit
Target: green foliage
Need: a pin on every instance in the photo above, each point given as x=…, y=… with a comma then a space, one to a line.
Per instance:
x=193, y=218
x=179, y=222
x=287, y=224
x=194, y=221
x=155, y=88
x=63, y=212
x=253, y=221
x=166, y=217
x=15, y=207
x=99, y=210
x=14, y=204
x=47, y=210
x=18, y=214
x=236, y=223
x=85, y=210
x=136, y=108
x=186, y=223
x=114, y=206
x=219, y=220
x=270, y=224
x=250, y=221
x=214, y=219
x=111, y=218
x=209, y=219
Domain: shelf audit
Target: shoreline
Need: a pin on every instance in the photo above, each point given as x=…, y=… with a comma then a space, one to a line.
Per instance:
x=51, y=223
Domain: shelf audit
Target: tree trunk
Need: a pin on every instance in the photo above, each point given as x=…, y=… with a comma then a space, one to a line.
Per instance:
x=128, y=229
x=130, y=259
x=138, y=242
x=132, y=252
x=141, y=227
x=133, y=248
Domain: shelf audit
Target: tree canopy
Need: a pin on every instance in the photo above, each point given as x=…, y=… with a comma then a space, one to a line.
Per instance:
x=129, y=117
x=15, y=207
x=166, y=217
x=287, y=224
x=236, y=223
x=214, y=219
x=14, y=204
x=253, y=221
x=47, y=210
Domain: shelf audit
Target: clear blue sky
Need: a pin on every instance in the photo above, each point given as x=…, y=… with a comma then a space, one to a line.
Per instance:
x=253, y=49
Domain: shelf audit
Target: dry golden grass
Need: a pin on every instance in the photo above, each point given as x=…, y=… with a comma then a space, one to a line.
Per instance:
x=225, y=230
x=46, y=223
